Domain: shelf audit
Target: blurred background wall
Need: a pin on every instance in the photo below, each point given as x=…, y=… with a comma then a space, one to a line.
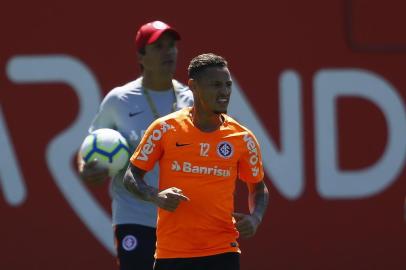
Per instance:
x=321, y=83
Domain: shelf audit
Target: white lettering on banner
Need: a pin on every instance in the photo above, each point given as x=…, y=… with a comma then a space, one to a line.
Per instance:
x=11, y=180
x=283, y=164
x=331, y=181
x=149, y=145
x=188, y=167
x=71, y=71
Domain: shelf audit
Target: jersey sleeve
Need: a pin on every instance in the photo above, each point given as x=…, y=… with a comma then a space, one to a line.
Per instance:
x=250, y=167
x=184, y=96
x=150, y=149
x=106, y=114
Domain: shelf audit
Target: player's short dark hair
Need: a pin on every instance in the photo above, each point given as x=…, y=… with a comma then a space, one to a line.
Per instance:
x=204, y=61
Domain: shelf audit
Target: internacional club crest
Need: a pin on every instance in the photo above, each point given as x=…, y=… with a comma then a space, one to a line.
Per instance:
x=129, y=242
x=225, y=149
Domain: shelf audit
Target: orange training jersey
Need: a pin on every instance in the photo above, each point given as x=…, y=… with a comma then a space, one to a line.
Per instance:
x=205, y=166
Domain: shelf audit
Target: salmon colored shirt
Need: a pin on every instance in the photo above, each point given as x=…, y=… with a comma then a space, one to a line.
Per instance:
x=205, y=166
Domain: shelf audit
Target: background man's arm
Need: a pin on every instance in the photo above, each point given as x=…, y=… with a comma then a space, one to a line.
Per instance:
x=91, y=172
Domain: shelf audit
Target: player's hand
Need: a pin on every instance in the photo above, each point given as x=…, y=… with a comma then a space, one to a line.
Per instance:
x=93, y=173
x=169, y=199
x=246, y=225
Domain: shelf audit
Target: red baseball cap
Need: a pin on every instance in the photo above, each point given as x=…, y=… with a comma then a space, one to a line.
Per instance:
x=150, y=32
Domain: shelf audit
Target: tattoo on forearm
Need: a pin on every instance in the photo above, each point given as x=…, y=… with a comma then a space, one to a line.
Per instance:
x=258, y=200
x=133, y=181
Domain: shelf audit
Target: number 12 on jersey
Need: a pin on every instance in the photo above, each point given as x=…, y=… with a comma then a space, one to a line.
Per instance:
x=204, y=149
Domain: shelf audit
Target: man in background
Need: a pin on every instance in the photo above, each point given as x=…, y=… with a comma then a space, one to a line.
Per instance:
x=130, y=109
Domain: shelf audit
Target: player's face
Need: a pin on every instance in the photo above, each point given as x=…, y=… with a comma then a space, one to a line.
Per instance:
x=160, y=57
x=213, y=89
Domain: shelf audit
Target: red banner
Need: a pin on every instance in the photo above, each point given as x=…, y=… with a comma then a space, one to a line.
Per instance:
x=320, y=83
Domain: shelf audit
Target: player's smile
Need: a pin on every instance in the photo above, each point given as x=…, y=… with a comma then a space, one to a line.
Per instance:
x=223, y=100
x=222, y=103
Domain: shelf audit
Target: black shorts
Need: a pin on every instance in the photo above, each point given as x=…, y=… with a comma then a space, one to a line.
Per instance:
x=135, y=245
x=224, y=261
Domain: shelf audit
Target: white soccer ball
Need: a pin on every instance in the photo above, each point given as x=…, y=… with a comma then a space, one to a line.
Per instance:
x=109, y=147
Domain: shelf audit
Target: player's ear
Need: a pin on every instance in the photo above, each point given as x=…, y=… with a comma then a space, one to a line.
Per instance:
x=140, y=57
x=192, y=84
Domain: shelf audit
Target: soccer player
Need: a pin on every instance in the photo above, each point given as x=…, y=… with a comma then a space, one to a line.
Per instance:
x=201, y=152
x=130, y=109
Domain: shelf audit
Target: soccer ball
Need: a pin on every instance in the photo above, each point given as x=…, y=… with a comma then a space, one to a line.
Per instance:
x=109, y=147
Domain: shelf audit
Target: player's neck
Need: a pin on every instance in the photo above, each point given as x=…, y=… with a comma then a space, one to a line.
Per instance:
x=156, y=82
x=206, y=122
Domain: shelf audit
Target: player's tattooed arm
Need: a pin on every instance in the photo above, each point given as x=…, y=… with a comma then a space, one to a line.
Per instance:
x=134, y=183
x=168, y=199
x=258, y=197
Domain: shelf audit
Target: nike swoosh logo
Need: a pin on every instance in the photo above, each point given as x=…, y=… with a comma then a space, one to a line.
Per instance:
x=182, y=144
x=130, y=114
